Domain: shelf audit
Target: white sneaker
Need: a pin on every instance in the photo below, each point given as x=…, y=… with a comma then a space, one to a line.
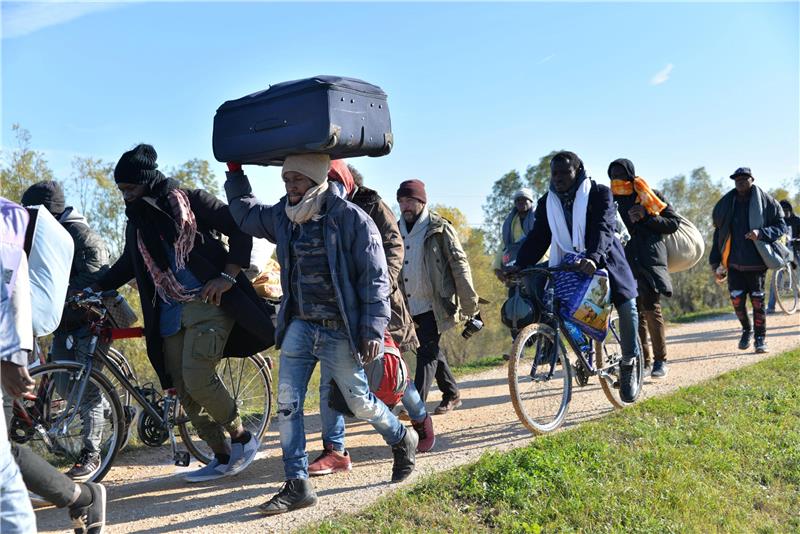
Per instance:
x=242, y=455
x=212, y=471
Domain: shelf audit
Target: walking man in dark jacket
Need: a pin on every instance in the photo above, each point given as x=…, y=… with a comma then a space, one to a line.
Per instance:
x=89, y=262
x=746, y=221
x=578, y=216
x=198, y=306
x=648, y=218
x=335, y=309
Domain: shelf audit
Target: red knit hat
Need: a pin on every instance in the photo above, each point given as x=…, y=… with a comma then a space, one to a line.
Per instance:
x=413, y=189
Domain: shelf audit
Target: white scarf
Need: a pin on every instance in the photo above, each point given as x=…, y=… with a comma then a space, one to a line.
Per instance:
x=562, y=242
x=309, y=205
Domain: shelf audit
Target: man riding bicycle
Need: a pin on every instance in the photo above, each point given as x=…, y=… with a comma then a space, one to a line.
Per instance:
x=578, y=215
x=90, y=261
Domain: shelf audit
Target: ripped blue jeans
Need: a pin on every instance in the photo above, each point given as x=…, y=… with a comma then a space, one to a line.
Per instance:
x=303, y=346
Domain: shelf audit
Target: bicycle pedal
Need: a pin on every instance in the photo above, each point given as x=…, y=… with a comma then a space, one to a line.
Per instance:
x=181, y=458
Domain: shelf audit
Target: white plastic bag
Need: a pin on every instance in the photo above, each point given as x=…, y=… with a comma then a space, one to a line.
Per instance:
x=685, y=247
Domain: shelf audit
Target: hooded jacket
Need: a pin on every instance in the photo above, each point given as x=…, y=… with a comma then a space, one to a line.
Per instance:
x=646, y=250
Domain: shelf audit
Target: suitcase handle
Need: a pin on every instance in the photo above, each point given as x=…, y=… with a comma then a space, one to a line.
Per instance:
x=269, y=124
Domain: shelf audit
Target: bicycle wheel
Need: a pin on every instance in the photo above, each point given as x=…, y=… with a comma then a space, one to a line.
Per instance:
x=540, y=388
x=609, y=354
x=129, y=410
x=785, y=284
x=68, y=412
x=249, y=382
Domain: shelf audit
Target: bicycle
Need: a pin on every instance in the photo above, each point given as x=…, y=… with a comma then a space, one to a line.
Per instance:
x=540, y=373
x=785, y=281
x=52, y=420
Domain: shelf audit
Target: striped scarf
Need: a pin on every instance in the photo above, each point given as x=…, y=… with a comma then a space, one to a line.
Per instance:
x=167, y=286
x=645, y=195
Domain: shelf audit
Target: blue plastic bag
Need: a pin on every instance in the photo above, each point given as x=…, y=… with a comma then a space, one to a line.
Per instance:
x=585, y=300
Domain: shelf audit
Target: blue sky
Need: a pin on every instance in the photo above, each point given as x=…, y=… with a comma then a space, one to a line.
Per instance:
x=474, y=89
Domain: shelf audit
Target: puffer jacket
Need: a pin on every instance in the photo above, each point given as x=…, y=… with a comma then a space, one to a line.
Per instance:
x=455, y=299
x=355, y=257
x=91, y=253
x=401, y=325
x=89, y=262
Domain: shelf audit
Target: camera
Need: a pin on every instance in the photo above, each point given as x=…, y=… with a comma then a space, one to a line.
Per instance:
x=472, y=326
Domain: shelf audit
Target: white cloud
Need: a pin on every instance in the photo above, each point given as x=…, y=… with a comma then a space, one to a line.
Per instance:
x=546, y=59
x=23, y=18
x=662, y=75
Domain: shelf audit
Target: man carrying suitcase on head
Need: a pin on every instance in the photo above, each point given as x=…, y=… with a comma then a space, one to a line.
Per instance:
x=335, y=310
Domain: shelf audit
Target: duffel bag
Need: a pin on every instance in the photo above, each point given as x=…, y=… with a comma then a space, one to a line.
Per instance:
x=341, y=117
x=685, y=247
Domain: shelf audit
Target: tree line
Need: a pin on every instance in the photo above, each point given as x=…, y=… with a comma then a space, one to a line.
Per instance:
x=91, y=185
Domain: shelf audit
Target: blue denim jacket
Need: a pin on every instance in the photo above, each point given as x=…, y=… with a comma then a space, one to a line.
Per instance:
x=355, y=255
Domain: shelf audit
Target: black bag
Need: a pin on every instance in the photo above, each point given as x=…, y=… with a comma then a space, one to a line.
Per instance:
x=342, y=117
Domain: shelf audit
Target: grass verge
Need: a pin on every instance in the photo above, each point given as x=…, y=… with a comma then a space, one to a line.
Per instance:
x=692, y=317
x=723, y=456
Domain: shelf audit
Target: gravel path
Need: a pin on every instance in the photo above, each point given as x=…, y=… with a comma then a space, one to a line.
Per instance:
x=145, y=496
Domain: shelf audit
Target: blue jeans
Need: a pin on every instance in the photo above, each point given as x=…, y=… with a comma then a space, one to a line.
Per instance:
x=304, y=344
x=16, y=512
x=333, y=421
x=629, y=331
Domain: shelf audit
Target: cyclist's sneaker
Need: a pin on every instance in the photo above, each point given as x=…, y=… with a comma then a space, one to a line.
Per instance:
x=329, y=462
x=405, y=456
x=87, y=465
x=90, y=519
x=770, y=311
x=761, y=345
x=295, y=494
x=427, y=438
x=243, y=454
x=212, y=471
x=660, y=369
x=447, y=405
x=744, y=341
x=627, y=382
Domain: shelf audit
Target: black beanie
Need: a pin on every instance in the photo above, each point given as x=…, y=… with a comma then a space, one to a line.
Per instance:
x=48, y=194
x=137, y=166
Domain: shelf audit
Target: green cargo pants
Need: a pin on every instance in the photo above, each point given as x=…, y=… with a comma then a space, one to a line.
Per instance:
x=191, y=356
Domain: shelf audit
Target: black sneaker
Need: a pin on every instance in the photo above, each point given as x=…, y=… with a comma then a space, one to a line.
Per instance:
x=295, y=494
x=627, y=382
x=87, y=465
x=405, y=456
x=90, y=519
x=761, y=345
x=660, y=369
x=744, y=342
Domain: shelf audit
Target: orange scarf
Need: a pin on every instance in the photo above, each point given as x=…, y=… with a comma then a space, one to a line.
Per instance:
x=645, y=196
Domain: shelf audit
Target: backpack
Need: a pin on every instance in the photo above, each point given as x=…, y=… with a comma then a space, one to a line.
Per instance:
x=50, y=248
x=388, y=375
x=517, y=311
x=685, y=246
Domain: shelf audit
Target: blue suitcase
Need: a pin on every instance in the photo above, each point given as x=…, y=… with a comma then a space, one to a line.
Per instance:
x=342, y=117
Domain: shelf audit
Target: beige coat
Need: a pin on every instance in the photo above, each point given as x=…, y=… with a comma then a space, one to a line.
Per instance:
x=454, y=296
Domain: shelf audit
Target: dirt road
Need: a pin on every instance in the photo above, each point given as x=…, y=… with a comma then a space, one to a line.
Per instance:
x=146, y=496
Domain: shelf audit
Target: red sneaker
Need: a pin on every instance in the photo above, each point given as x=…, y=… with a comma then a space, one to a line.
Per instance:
x=329, y=462
x=424, y=429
